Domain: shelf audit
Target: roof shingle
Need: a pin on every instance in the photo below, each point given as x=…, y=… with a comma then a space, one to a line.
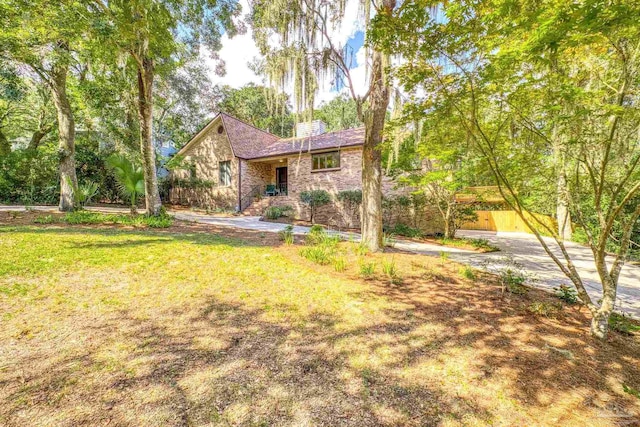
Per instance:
x=250, y=143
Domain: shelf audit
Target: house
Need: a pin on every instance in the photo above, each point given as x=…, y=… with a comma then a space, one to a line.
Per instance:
x=232, y=165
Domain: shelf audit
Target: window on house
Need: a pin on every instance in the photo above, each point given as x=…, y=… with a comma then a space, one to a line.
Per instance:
x=225, y=173
x=328, y=160
x=192, y=169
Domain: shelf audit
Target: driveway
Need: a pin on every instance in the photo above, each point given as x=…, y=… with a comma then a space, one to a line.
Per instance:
x=526, y=250
x=522, y=248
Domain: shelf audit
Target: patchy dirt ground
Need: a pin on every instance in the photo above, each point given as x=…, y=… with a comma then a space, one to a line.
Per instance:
x=198, y=325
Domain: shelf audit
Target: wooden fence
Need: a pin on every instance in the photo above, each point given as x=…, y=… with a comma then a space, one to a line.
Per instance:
x=506, y=221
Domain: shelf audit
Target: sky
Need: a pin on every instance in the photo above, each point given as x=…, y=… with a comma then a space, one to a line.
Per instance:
x=238, y=51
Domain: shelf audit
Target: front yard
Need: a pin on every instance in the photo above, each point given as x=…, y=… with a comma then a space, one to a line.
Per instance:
x=202, y=326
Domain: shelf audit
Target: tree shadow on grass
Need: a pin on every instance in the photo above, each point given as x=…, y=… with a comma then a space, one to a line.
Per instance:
x=145, y=236
x=438, y=351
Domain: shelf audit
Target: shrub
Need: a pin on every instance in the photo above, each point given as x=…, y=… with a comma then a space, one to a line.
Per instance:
x=566, y=294
x=160, y=221
x=339, y=264
x=315, y=199
x=83, y=193
x=47, y=219
x=85, y=217
x=361, y=249
x=623, y=324
x=286, y=235
x=318, y=254
x=351, y=199
x=405, y=230
x=367, y=269
x=350, y=196
x=130, y=178
x=483, y=244
x=389, y=268
x=630, y=390
x=513, y=281
x=275, y=212
x=468, y=273
x=388, y=240
x=318, y=236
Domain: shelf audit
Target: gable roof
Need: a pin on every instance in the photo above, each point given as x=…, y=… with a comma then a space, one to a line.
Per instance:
x=250, y=143
x=325, y=141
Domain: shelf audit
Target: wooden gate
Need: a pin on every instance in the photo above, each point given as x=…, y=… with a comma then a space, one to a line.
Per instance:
x=504, y=221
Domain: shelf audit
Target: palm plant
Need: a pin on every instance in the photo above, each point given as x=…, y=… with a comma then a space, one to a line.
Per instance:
x=82, y=193
x=130, y=178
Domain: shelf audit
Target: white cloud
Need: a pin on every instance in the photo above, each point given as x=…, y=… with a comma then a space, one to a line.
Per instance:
x=236, y=53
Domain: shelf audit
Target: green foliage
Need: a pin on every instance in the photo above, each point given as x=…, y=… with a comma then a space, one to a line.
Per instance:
x=389, y=268
x=339, y=264
x=468, y=273
x=29, y=177
x=275, y=212
x=361, y=249
x=566, y=294
x=88, y=217
x=353, y=197
x=47, y=219
x=339, y=113
x=314, y=199
x=367, y=269
x=630, y=390
x=623, y=324
x=319, y=254
x=286, y=235
x=483, y=244
x=83, y=193
x=257, y=105
x=405, y=230
x=130, y=178
x=388, y=240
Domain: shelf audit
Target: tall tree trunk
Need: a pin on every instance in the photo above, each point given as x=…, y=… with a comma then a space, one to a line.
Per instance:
x=145, y=112
x=66, y=131
x=449, y=226
x=374, y=119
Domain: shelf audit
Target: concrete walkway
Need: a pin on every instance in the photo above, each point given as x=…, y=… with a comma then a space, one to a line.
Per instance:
x=522, y=248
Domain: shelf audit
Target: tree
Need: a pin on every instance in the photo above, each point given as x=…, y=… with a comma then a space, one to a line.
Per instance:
x=339, y=113
x=307, y=51
x=314, y=199
x=257, y=105
x=43, y=35
x=183, y=101
x=529, y=82
x=155, y=34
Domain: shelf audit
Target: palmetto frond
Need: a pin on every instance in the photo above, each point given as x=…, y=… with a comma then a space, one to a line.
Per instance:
x=129, y=176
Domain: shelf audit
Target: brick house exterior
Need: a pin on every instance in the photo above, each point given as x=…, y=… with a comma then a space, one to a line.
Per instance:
x=232, y=165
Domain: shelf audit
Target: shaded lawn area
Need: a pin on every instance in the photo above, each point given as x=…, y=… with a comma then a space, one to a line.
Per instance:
x=109, y=326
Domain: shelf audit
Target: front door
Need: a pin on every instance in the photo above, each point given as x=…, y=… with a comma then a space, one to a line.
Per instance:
x=281, y=180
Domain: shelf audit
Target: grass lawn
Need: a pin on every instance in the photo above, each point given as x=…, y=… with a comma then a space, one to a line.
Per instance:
x=196, y=326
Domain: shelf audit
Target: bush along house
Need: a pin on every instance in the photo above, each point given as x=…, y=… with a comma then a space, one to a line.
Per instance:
x=232, y=165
